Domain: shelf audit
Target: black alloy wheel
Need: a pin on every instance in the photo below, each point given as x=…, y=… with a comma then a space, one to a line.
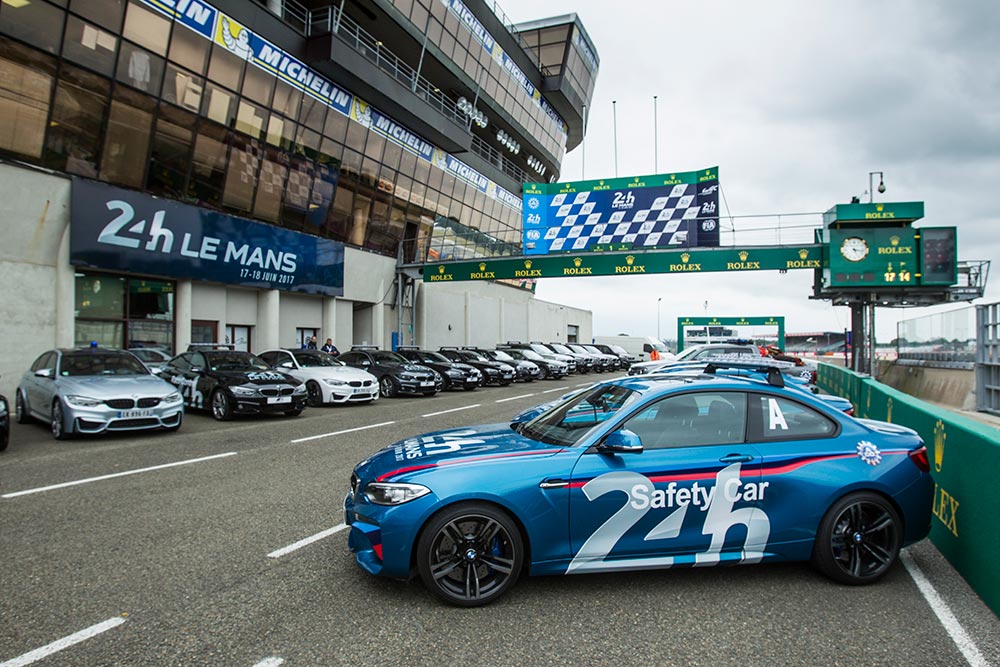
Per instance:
x=222, y=406
x=315, y=394
x=21, y=409
x=470, y=554
x=387, y=386
x=859, y=539
x=543, y=373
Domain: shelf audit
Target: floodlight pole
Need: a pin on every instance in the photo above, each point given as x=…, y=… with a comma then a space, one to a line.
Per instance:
x=614, y=120
x=656, y=141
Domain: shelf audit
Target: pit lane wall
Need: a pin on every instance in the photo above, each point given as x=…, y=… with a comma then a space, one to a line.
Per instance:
x=965, y=462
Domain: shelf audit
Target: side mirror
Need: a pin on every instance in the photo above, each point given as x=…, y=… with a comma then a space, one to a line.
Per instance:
x=621, y=442
x=197, y=369
x=45, y=373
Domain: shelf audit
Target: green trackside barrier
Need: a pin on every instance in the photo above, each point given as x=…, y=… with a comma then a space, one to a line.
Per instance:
x=965, y=462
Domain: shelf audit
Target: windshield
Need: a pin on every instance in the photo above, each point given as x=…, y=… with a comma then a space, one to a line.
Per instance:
x=472, y=356
x=688, y=353
x=388, y=358
x=316, y=360
x=567, y=422
x=591, y=349
x=236, y=361
x=618, y=349
x=436, y=357
x=528, y=354
x=540, y=349
x=561, y=349
x=100, y=364
x=501, y=355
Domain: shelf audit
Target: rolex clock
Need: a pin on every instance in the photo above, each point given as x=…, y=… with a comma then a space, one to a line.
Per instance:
x=854, y=248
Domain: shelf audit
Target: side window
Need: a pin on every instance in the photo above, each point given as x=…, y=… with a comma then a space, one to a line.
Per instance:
x=691, y=420
x=40, y=362
x=780, y=418
x=270, y=357
x=198, y=361
x=182, y=362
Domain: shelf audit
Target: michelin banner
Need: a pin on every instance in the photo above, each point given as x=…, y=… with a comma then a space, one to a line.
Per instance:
x=677, y=210
x=123, y=230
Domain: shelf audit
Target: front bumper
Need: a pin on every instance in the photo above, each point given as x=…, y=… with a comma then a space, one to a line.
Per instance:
x=410, y=386
x=382, y=537
x=349, y=394
x=103, y=418
x=464, y=383
x=252, y=406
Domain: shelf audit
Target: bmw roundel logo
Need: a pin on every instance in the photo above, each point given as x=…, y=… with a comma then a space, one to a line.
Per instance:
x=708, y=226
x=533, y=202
x=534, y=235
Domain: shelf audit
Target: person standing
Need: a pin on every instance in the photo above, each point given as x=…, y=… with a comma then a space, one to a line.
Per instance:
x=311, y=343
x=330, y=348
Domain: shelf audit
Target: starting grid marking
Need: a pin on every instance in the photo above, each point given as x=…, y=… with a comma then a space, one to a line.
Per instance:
x=284, y=551
x=112, y=476
x=64, y=643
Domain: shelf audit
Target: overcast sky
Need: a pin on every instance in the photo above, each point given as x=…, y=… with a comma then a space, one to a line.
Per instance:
x=796, y=102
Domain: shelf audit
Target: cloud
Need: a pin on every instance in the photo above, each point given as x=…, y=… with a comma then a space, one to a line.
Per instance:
x=795, y=103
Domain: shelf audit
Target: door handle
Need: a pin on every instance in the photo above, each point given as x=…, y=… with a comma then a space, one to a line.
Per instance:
x=553, y=484
x=736, y=458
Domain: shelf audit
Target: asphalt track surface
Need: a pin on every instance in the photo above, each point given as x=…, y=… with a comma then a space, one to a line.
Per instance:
x=208, y=563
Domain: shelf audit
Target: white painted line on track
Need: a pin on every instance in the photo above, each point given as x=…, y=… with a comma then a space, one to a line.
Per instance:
x=944, y=614
x=65, y=642
x=350, y=430
x=514, y=398
x=444, y=412
x=307, y=541
x=585, y=384
x=273, y=661
x=117, y=474
x=549, y=391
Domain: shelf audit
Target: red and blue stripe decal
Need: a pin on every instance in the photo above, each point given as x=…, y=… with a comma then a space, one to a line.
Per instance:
x=471, y=459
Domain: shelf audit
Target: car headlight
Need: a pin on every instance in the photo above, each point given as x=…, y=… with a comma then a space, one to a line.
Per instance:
x=333, y=382
x=299, y=390
x=244, y=391
x=455, y=373
x=84, y=401
x=383, y=493
x=491, y=371
x=172, y=398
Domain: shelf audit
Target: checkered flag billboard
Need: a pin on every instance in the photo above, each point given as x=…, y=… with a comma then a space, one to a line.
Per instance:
x=662, y=211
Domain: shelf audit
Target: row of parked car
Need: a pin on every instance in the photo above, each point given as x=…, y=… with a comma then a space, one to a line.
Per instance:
x=94, y=389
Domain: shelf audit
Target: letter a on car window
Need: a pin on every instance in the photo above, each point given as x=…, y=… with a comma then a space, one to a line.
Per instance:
x=776, y=419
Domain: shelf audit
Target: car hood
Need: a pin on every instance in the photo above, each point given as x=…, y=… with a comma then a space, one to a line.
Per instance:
x=346, y=373
x=115, y=386
x=469, y=444
x=255, y=377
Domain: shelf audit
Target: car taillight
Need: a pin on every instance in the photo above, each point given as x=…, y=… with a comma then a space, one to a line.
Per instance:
x=849, y=413
x=919, y=458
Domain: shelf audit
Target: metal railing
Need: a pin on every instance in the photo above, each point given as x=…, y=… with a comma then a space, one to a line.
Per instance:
x=331, y=20
x=509, y=26
x=498, y=160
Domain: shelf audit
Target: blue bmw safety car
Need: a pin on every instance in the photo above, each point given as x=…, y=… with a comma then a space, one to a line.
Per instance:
x=643, y=472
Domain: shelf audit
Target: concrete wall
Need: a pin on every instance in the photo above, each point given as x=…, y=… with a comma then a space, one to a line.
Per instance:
x=484, y=314
x=952, y=387
x=34, y=214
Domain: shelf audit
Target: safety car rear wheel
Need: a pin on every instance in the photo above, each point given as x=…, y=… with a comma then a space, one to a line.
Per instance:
x=858, y=539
